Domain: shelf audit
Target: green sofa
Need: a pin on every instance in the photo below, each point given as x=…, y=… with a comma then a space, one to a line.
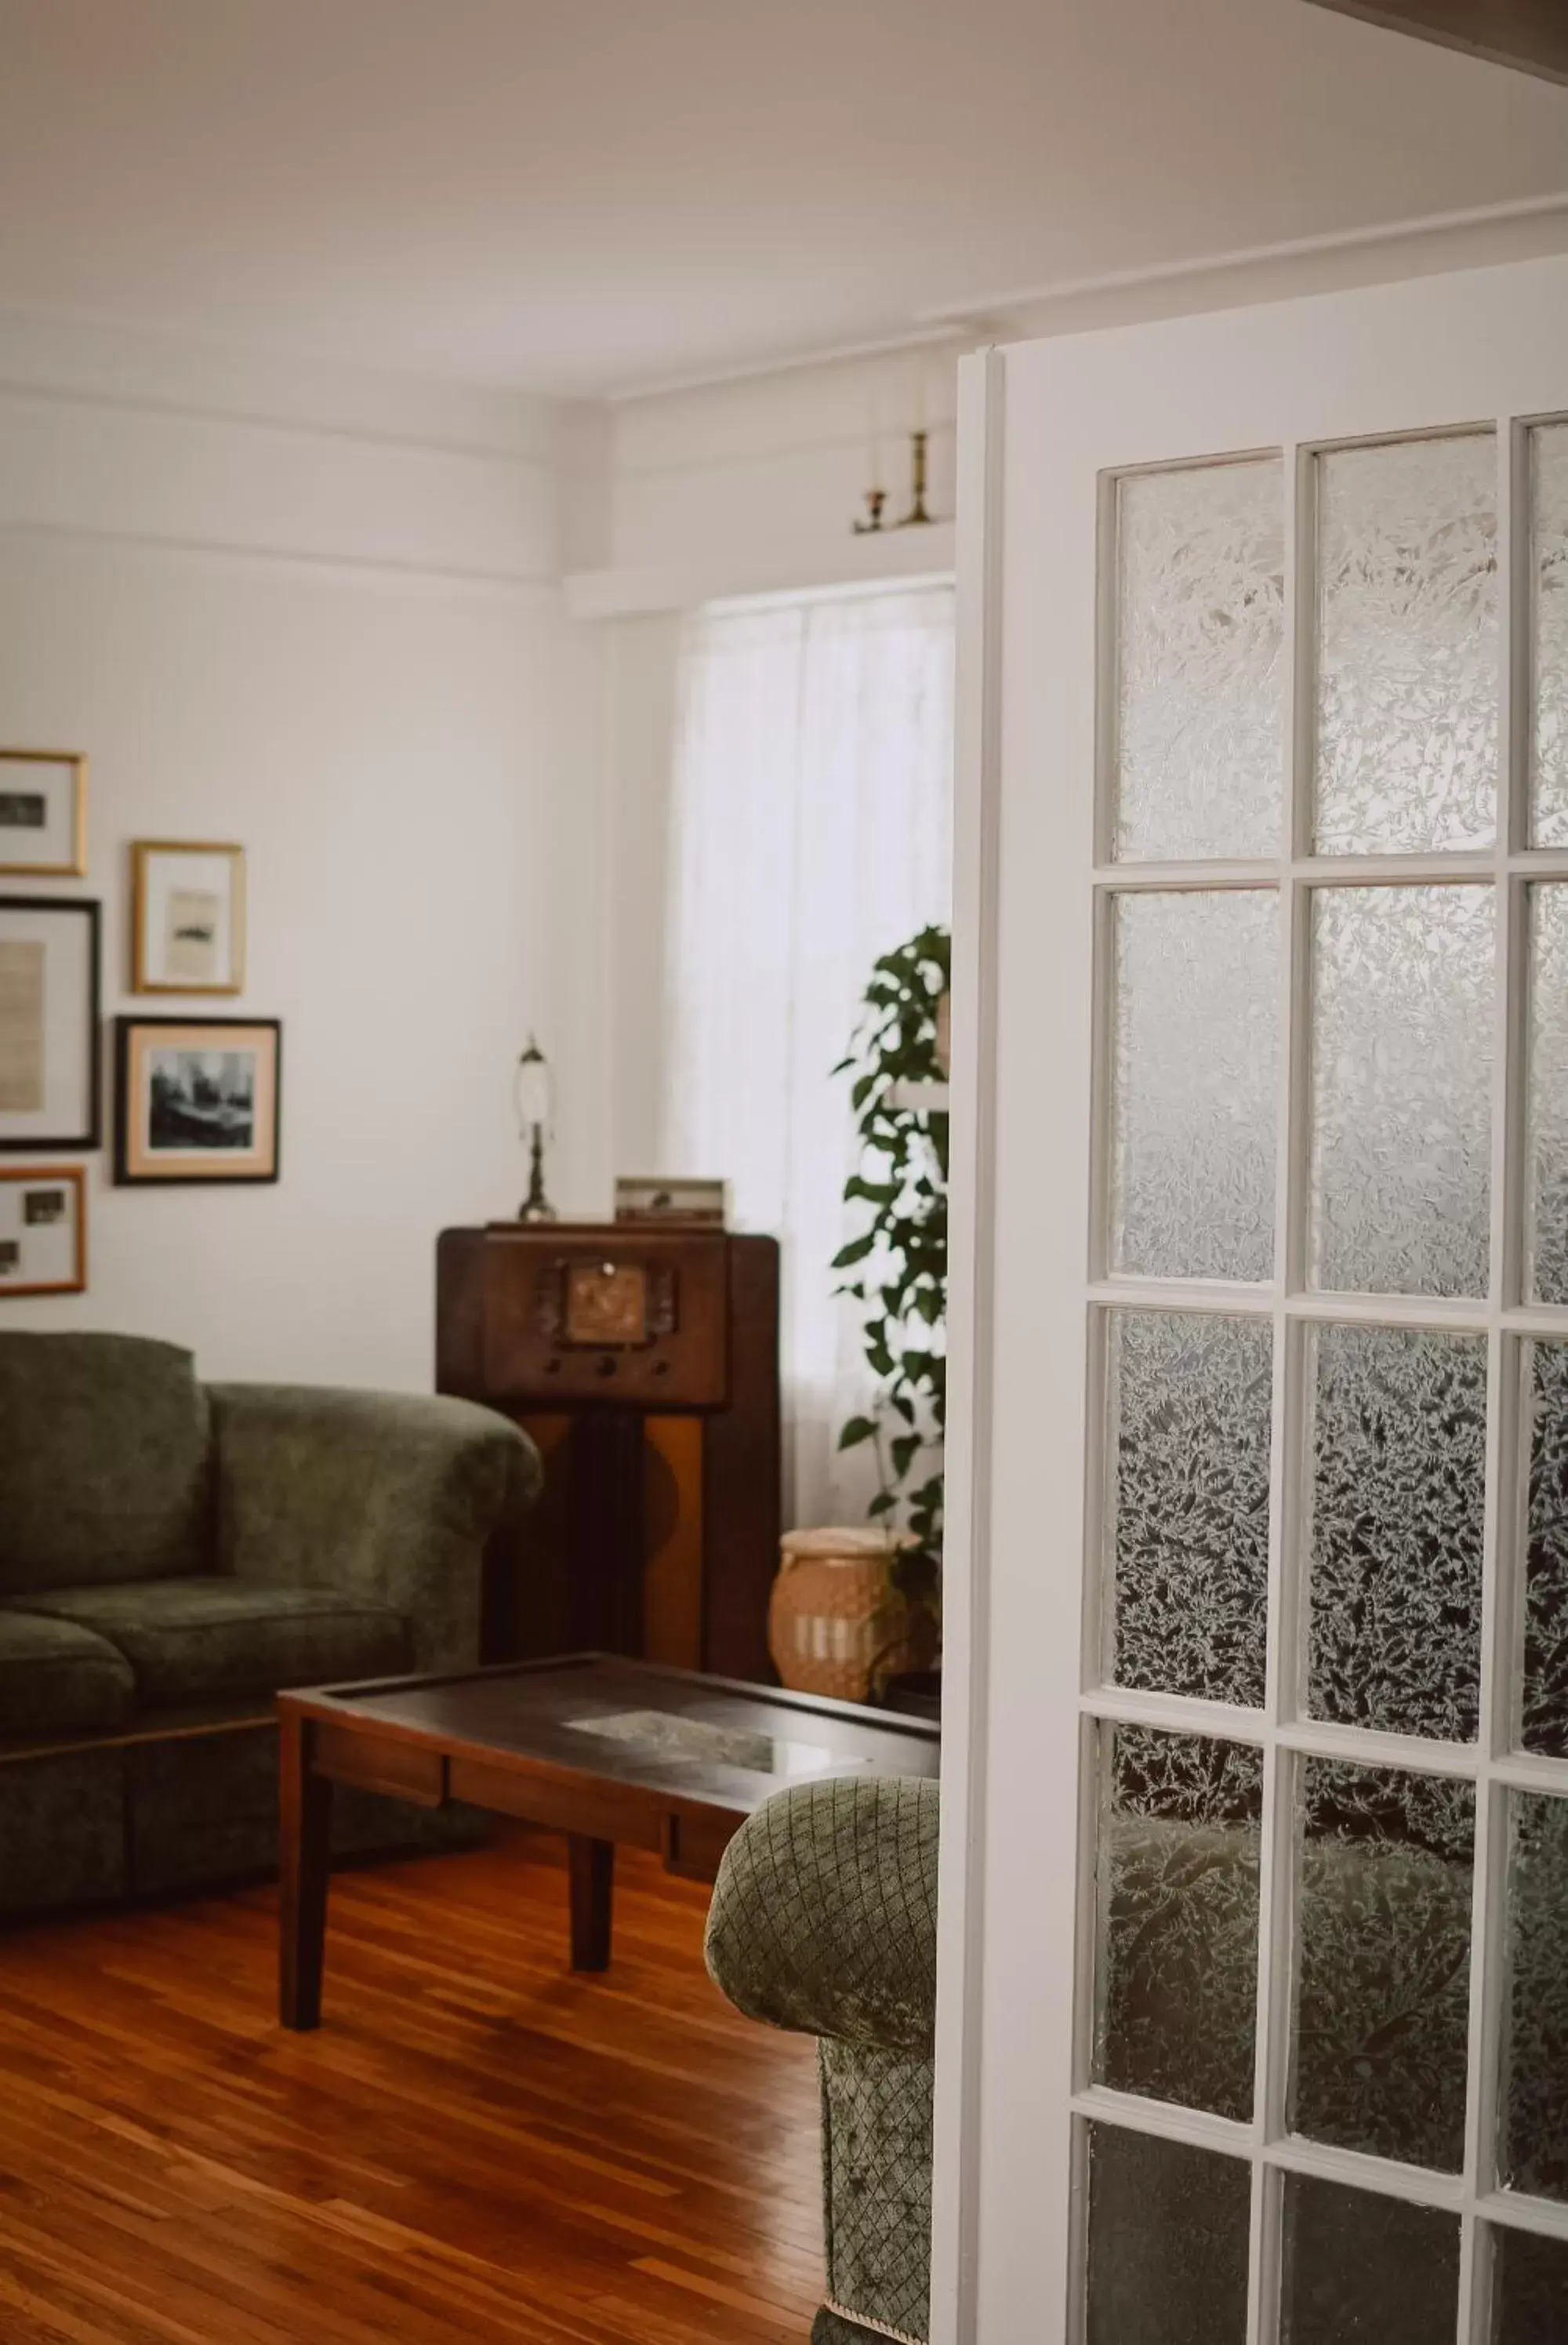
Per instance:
x=170, y=1554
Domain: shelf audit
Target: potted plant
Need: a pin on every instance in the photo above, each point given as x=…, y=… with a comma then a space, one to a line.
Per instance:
x=897, y=1267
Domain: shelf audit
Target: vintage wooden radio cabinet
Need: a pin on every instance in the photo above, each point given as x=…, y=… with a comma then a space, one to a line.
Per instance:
x=643, y=1361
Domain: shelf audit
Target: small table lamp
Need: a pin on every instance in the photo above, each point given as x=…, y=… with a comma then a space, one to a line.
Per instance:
x=533, y=1094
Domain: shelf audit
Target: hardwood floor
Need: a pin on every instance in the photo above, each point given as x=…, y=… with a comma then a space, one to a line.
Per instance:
x=476, y=2145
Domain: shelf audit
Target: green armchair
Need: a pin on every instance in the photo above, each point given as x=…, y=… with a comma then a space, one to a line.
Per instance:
x=823, y=1919
x=171, y=1555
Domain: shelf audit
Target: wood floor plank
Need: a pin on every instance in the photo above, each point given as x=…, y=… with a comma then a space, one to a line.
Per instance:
x=477, y=2145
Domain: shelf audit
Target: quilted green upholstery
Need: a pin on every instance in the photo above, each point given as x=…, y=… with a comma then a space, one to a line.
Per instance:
x=825, y=1914
x=206, y=1640
x=58, y=1679
x=104, y=1469
x=823, y=1919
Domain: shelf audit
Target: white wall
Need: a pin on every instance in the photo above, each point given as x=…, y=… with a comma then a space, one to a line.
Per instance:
x=321, y=618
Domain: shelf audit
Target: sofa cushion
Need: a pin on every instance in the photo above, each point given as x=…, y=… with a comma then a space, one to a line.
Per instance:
x=56, y=1678
x=212, y=1639
x=104, y=1470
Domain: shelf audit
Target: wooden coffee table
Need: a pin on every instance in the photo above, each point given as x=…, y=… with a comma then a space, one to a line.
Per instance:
x=608, y=1751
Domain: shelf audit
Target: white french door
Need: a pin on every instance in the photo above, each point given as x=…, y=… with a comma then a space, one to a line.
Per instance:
x=1254, y=2020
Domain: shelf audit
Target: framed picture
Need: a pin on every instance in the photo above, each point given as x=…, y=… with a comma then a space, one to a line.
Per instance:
x=197, y=1099
x=42, y=1229
x=43, y=814
x=700, y=1203
x=188, y=917
x=48, y=1023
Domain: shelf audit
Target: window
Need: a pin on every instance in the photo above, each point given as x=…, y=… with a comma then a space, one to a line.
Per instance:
x=812, y=812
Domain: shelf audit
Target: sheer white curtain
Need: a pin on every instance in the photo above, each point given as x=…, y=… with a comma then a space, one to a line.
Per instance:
x=812, y=831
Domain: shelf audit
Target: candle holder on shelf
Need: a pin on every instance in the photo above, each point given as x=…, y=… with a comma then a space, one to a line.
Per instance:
x=917, y=513
x=875, y=499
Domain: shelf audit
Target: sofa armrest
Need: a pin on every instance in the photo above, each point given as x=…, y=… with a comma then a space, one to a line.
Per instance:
x=392, y=1495
x=823, y=1916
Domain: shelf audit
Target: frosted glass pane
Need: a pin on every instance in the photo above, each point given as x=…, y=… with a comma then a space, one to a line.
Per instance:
x=1189, y=1397
x=1529, y=2287
x=1176, y=1975
x=1547, y=1162
x=1549, y=469
x=1402, y=1069
x=1398, y=1499
x=1167, y=2242
x=1545, y=1703
x=1196, y=1030
x=1407, y=646
x=1382, y=1984
x=1535, y=2104
x=1201, y=661
x=1362, y=2269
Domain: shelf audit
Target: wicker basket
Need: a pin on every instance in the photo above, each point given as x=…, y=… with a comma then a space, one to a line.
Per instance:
x=836, y=1624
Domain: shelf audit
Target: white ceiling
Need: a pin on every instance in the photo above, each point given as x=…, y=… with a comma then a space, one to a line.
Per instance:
x=581, y=196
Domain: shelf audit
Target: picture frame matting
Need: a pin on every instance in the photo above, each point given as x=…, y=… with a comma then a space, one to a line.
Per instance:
x=43, y=814
x=198, y=1100
x=50, y=1091
x=42, y=1229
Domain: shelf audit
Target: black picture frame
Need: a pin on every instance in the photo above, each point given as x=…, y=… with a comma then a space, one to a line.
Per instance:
x=91, y=1135
x=130, y=1174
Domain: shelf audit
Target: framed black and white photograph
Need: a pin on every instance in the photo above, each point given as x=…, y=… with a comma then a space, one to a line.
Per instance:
x=42, y=1229
x=187, y=917
x=197, y=1099
x=48, y=1023
x=43, y=814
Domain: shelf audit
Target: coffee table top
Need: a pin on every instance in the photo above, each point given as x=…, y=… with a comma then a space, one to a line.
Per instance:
x=712, y=1742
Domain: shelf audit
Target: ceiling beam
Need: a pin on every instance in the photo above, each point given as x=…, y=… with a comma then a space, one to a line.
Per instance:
x=1532, y=34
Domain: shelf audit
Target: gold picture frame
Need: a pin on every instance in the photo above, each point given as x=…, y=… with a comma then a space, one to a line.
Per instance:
x=187, y=917
x=42, y=1229
x=25, y=792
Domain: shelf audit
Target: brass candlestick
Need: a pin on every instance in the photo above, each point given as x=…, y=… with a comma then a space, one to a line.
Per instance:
x=875, y=501
x=917, y=512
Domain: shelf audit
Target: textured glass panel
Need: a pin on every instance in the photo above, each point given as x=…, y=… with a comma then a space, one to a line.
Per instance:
x=1407, y=646
x=1399, y=1488
x=1196, y=1032
x=1201, y=666
x=1547, y=1160
x=1167, y=2242
x=1176, y=1975
x=1549, y=467
x=1382, y=1989
x=1362, y=2269
x=1189, y=1503
x=1529, y=2289
x=1545, y=1703
x=1534, y=2147
x=1402, y=1067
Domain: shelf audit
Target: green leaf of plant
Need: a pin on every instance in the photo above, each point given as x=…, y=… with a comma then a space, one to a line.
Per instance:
x=858, y=1429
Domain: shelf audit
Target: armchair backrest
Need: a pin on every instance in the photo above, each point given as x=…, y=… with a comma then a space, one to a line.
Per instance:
x=104, y=1462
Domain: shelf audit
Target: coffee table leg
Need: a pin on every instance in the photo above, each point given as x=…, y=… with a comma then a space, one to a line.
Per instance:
x=305, y=1865
x=593, y=1868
